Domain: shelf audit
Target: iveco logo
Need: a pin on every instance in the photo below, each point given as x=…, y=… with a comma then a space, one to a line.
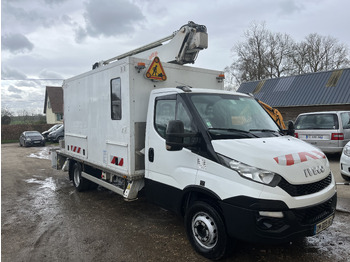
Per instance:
x=313, y=171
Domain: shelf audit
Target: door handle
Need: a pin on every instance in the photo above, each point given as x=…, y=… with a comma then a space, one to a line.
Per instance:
x=150, y=154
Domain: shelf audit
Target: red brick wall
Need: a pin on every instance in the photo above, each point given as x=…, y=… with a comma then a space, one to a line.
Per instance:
x=12, y=132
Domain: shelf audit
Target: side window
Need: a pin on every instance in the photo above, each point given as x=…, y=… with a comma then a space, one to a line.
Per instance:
x=345, y=119
x=116, y=106
x=164, y=112
x=171, y=109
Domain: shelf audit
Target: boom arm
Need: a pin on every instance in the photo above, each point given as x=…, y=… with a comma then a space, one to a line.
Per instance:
x=183, y=47
x=274, y=113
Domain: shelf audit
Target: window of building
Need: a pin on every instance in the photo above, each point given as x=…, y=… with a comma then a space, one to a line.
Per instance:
x=59, y=117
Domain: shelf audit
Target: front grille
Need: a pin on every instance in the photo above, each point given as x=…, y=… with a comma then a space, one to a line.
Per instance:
x=312, y=215
x=306, y=189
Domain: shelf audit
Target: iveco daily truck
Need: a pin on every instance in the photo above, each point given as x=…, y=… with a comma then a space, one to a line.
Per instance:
x=146, y=121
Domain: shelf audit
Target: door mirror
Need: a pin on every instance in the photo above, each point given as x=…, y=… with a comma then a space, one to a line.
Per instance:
x=175, y=133
x=291, y=129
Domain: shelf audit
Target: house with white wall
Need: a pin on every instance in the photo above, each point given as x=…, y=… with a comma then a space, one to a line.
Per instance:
x=53, y=107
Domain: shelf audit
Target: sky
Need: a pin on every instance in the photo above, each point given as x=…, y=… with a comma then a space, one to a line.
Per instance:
x=44, y=42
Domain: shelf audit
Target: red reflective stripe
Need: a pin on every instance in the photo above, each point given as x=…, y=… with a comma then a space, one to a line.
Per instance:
x=319, y=153
x=276, y=159
x=121, y=162
x=303, y=156
x=290, y=160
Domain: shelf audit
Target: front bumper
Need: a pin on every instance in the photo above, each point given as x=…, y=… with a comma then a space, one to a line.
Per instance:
x=34, y=143
x=345, y=165
x=243, y=221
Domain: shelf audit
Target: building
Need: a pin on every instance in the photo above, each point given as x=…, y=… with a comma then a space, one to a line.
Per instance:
x=53, y=107
x=321, y=91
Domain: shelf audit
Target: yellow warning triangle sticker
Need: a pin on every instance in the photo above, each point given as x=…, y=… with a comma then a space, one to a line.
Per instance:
x=156, y=71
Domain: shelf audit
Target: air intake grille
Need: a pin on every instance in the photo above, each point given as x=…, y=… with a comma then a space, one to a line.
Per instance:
x=306, y=189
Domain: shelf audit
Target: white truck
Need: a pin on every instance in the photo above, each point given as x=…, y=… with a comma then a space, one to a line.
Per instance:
x=213, y=156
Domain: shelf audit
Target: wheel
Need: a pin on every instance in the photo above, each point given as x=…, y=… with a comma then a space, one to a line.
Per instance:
x=206, y=230
x=347, y=178
x=79, y=182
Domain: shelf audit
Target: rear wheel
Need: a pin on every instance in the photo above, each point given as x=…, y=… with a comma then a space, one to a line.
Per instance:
x=80, y=183
x=206, y=230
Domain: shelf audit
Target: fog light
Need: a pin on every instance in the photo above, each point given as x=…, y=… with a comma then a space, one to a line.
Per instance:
x=271, y=214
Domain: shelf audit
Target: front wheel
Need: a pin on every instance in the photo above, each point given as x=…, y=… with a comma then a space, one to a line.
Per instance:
x=206, y=230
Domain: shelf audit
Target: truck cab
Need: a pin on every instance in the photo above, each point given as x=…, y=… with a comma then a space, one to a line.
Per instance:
x=220, y=160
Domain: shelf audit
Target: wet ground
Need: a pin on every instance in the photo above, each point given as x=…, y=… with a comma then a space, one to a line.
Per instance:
x=43, y=218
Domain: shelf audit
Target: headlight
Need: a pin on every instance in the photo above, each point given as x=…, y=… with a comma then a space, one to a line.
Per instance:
x=252, y=173
x=28, y=139
x=346, y=150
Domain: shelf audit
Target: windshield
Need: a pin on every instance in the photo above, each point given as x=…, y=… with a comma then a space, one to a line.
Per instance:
x=224, y=112
x=33, y=134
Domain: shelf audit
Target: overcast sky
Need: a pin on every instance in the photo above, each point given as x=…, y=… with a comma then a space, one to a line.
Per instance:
x=57, y=39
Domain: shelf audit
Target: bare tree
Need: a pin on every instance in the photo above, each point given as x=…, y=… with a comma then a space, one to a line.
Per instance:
x=319, y=53
x=264, y=54
x=278, y=60
x=250, y=55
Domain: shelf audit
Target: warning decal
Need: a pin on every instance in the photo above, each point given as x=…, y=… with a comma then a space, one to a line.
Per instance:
x=291, y=159
x=156, y=71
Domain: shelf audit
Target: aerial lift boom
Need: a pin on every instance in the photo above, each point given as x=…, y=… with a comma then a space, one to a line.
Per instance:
x=182, y=47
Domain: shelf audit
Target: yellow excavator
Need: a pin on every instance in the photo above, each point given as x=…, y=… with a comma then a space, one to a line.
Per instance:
x=274, y=113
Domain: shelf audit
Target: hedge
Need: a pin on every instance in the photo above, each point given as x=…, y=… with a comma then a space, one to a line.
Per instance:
x=12, y=132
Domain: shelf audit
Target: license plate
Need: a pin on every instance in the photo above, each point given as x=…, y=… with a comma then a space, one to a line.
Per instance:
x=37, y=142
x=323, y=224
x=314, y=137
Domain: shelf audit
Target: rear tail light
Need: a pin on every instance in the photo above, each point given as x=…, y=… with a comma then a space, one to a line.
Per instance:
x=296, y=135
x=337, y=136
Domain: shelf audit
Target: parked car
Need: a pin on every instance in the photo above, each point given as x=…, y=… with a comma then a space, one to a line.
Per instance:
x=345, y=162
x=53, y=128
x=56, y=135
x=31, y=138
x=329, y=131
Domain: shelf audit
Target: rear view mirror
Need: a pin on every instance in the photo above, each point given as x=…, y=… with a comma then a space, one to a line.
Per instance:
x=291, y=129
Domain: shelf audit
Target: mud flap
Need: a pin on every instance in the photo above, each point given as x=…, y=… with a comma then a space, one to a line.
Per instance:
x=132, y=189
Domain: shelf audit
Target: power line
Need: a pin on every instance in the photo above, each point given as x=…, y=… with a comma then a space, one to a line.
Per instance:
x=34, y=79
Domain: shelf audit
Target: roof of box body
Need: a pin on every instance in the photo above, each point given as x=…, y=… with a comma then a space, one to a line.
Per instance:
x=321, y=88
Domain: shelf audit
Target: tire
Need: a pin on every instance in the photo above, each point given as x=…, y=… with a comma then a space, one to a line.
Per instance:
x=347, y=178
x=206, y=230
x=80, y=183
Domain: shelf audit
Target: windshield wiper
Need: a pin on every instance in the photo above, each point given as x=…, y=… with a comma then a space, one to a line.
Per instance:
x=248, y=133
x=266, y=130
x=263, y=130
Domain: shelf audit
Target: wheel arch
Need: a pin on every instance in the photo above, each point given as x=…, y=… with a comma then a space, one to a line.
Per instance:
x=196, y=193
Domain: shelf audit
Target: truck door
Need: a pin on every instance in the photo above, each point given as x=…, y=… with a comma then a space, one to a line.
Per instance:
x=167, y=172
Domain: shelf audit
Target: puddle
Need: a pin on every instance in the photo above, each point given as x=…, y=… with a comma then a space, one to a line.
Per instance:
x=47, y=183
x=43, y=153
